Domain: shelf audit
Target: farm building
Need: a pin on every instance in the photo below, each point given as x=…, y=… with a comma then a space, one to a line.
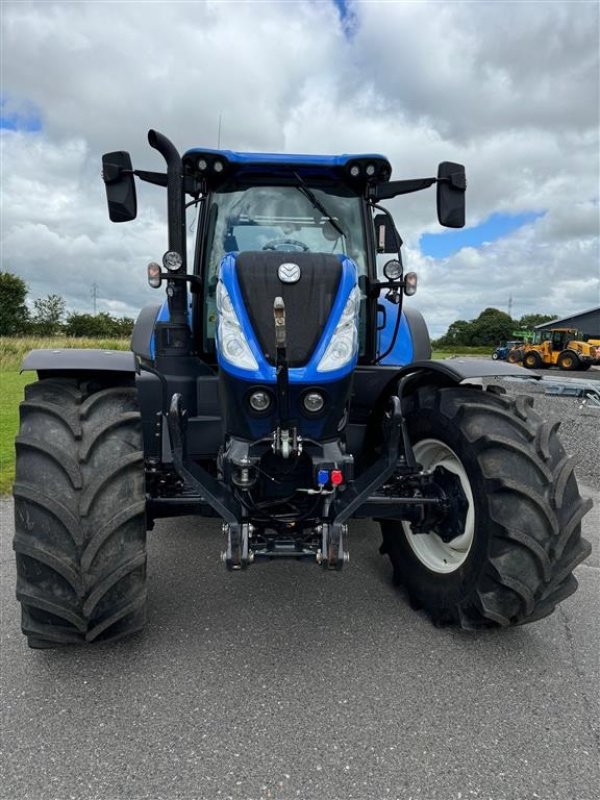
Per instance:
x=588, y=322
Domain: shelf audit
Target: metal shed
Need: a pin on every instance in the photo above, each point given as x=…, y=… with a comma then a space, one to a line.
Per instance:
x=588, y=322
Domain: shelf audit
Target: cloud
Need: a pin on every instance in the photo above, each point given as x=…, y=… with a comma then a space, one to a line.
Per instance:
x=511, y=90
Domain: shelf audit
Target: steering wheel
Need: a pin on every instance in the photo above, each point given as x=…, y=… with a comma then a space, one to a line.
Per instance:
x=286, y=246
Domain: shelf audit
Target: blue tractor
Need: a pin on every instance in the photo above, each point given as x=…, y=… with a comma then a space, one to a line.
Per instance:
x=284, y=388
x=501, y=352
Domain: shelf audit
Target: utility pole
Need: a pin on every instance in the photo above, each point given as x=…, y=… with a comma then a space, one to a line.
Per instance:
x=94, y=295
x=510, y=305
x=219, y=132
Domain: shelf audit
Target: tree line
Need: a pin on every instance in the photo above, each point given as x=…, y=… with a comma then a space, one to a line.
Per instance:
x=48, y=316
x=489, y=329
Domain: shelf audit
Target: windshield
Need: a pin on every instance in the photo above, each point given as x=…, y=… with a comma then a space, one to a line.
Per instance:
x=279, y=218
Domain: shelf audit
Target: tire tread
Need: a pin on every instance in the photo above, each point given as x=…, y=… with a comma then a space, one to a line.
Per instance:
x=80, y=533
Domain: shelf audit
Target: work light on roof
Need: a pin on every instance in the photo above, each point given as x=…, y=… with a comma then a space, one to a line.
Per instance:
x=202, y=164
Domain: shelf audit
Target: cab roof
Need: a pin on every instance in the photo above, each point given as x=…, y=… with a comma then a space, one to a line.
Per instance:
x=215, y=166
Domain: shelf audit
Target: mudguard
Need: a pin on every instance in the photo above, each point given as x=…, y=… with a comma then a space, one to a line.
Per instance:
x=142, y=338
x=79, y=360
x=373, y=385
x=461, y=369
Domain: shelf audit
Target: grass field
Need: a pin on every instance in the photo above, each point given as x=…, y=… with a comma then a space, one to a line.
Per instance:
x=11, y=393
x=12, y=383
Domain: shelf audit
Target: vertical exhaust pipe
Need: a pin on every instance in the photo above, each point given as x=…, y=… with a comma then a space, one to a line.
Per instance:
x=176, y=221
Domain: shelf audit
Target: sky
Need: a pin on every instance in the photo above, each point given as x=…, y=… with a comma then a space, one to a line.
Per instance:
x=510, y=89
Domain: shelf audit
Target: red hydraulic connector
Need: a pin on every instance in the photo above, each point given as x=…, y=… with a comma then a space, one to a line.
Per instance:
x=337, y=477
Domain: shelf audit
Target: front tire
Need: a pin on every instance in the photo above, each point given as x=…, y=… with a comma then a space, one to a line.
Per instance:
x=80, y=533
x=568, y=361
x=532, y=360
x=521, y=537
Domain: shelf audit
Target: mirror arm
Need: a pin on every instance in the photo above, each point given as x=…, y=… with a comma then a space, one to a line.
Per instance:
x=190, y=185
x=385, y=191
x=157, y=178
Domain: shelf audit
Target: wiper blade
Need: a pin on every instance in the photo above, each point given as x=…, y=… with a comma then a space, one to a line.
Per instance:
x=302, y=187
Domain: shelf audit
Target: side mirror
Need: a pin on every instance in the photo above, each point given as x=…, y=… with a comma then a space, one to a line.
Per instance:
x=117, y=174
x=387, y=237
x=451, y=187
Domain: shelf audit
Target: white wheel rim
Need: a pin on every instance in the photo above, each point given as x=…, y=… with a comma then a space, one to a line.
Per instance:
x=429, y=548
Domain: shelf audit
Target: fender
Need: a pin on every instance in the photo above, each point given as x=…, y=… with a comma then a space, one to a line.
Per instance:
x=458, y=370
x=79, y=360
x=382, y=383
x=142, y=338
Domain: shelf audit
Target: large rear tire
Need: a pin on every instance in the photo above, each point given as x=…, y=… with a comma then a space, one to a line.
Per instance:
x=80, y=532
x=521, y=538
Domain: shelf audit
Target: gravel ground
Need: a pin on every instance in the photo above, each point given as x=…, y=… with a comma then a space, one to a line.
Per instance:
x=579, y=426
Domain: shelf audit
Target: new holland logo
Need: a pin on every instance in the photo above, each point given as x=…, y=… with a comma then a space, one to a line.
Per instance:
x=289, y=273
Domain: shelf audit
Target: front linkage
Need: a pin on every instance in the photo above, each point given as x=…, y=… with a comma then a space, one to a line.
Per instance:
x=394, y=486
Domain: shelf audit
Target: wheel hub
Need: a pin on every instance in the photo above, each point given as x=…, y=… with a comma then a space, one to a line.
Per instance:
x=442, y=540
x=450, y=523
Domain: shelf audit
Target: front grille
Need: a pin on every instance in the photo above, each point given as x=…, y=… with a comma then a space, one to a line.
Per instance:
x=308, y=303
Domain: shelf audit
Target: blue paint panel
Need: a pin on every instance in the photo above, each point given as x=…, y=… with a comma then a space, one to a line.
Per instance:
x=442, y=245
x=253, y=159
x=403, y=351
x=164, y=316
x=266, y=372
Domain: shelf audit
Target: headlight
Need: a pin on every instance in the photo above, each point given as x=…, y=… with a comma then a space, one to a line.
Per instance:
x=313, y=402
x=344, y=343
x=260, y=401
x=232, y=342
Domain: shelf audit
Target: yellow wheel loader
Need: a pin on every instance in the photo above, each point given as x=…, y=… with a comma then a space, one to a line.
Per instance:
x=558, y=347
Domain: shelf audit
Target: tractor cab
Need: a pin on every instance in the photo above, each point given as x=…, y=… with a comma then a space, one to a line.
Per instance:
x=560, y=337
x=290, y=205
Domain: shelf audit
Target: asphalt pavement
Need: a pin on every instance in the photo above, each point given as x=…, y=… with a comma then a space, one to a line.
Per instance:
x=285, y=682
